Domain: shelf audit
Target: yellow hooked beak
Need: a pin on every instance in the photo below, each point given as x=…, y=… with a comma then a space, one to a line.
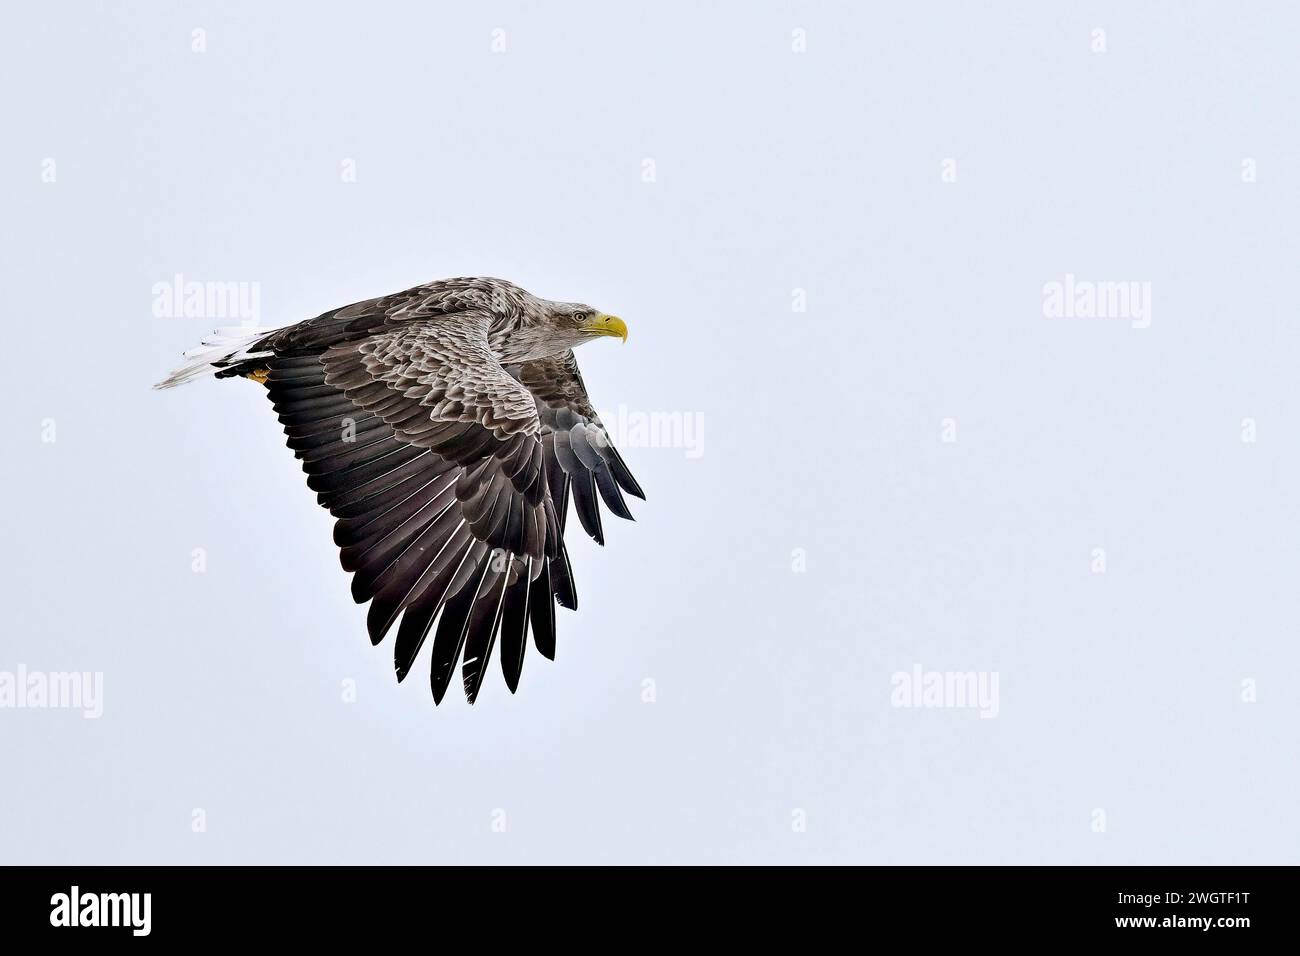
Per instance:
x=602, y=324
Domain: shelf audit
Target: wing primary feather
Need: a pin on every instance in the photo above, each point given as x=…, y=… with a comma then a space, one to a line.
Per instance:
x=541, y=613
x=562, y=580
x=562, y=501
x=584, y=498
x=514, y=627
x=609, y=492
x=419, y=614
x=450, y=637
x=481, y=635
x=622, y=475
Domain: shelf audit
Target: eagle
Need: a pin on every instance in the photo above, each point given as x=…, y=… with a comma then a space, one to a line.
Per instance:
x=446, y=429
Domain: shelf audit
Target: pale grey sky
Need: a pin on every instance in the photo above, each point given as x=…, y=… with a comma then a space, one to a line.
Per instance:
x=928, y=469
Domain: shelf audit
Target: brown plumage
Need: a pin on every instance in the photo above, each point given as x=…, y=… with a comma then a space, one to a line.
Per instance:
x=445, y=428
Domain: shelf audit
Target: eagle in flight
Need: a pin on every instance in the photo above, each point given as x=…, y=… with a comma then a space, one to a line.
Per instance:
x=445, y=428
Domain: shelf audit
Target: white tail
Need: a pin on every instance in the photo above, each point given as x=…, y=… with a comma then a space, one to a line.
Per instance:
x=223, y=347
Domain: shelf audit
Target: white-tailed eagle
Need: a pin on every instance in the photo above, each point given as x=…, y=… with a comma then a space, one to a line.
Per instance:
x=445, y=428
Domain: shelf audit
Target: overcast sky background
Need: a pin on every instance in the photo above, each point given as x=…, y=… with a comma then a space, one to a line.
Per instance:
x=1121, y=734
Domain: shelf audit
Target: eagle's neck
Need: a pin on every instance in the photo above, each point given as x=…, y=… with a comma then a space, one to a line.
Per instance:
x=524, y=344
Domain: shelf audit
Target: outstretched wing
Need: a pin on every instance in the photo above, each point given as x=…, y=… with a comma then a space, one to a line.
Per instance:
x=429, y=456
x=438, y=465
x=579, y=452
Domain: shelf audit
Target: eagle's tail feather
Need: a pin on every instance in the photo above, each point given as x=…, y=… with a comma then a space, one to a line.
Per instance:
x=220, y=351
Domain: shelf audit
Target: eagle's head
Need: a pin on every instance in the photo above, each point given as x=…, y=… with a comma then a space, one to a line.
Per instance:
x=577, y=323
x=540, y=328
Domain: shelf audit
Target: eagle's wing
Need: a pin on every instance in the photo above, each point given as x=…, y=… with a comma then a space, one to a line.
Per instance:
x=578, y=457
x=579, y=452
x=430, y=456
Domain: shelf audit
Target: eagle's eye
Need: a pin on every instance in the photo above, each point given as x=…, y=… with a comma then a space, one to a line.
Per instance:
x=580, y=317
